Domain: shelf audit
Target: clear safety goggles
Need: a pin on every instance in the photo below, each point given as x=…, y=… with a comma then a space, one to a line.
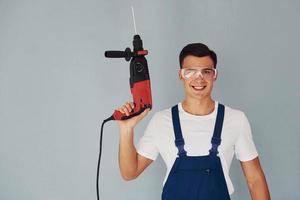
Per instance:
x=206, y=73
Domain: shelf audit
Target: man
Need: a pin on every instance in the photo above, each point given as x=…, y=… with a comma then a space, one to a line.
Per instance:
x=196, y=138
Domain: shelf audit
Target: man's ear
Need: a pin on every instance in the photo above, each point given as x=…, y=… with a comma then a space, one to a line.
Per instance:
x=179, y=75
x=216, y=76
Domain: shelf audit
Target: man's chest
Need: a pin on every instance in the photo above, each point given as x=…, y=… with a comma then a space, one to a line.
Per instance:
x=197, y=137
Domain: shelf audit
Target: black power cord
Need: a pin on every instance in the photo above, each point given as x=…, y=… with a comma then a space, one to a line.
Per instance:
x=100, y=151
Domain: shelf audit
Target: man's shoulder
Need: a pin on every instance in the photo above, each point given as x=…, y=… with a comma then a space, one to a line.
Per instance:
x=163, y=113
x=234, y=112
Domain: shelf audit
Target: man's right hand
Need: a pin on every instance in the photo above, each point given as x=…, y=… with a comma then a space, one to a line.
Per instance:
x=132, y=122
x=131, y=163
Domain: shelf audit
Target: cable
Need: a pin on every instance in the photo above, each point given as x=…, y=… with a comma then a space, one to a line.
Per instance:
x=100, y=151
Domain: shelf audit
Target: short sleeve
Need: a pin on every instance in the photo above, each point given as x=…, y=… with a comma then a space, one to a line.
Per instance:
x=147, y=145
x=245, y=149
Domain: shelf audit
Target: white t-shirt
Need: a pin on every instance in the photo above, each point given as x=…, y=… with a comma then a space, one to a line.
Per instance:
x=197, y=132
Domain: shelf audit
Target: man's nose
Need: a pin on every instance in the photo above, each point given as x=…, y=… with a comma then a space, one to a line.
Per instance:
x=199, y=75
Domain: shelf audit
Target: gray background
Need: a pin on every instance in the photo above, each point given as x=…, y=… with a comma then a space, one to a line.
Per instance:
x=56, y=87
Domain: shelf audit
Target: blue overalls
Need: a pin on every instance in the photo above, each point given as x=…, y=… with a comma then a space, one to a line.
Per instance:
x=196, y=177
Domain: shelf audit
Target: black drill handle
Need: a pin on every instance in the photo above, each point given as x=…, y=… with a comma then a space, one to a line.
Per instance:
x=115, y=54
x=127, y=54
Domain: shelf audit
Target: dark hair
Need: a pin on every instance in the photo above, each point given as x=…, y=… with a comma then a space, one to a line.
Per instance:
x=199, y=50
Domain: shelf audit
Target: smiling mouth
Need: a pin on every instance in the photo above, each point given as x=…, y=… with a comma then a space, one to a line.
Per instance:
x=198, y=88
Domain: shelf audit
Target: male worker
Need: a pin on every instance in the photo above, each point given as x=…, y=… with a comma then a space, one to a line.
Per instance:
x=196, y=138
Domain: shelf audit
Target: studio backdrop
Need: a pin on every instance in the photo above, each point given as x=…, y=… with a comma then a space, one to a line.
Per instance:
x=56, y=87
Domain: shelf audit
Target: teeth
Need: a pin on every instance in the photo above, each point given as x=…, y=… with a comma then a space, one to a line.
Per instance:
x=198, y=88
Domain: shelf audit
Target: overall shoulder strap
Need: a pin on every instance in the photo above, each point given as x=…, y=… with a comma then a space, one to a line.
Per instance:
x=179, y=141
x=216, y=139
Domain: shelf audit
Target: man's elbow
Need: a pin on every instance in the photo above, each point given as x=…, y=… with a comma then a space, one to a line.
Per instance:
x=129, y=177
x=257, y=181
x=254, y=179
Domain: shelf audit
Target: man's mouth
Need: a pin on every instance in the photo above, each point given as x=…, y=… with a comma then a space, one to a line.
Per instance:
x=198, y=88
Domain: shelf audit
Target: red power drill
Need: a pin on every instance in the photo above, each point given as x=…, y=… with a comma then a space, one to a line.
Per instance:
x=139, y=77
x=139, y=86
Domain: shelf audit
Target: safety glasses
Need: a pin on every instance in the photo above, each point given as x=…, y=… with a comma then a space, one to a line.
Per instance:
x=206, y=73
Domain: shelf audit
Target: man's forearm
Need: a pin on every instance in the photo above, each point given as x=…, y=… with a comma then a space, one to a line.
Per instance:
x=259, y=189
x=127, y=154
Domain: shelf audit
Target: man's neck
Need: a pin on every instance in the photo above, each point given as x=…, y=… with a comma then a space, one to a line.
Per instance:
x=198, y=107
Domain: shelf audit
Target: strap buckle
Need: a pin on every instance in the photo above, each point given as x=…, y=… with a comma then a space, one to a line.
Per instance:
x=179, y=142
x=181, y=150
x=216, y=141
x=214, y=149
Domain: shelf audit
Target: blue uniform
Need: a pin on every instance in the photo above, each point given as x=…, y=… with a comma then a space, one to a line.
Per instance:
x=196, y=177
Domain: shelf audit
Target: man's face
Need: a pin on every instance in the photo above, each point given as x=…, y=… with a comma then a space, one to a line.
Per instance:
x=197, y=87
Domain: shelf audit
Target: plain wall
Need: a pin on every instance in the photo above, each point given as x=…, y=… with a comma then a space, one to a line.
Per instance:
x=56, y=87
